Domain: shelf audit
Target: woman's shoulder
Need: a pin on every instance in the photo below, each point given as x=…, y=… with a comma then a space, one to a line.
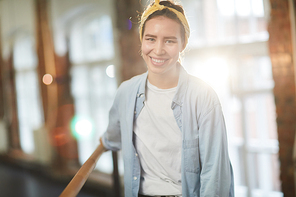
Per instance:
x=201, y=90
x=132, y=83
x=196, y=84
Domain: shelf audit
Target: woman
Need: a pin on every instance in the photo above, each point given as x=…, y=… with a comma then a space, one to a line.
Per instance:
x=169, y=124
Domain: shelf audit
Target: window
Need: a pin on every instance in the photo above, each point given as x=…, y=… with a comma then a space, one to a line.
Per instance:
x=255, y=128
x=228, y=50
x=216, y=22
x=27, y=90
x=93, y=83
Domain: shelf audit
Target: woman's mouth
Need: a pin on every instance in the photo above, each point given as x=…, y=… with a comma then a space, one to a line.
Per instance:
x=157, y=61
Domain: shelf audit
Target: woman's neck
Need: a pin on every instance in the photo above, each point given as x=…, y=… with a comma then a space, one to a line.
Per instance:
x=165, y=81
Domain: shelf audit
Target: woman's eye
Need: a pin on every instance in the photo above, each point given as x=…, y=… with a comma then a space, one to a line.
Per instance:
x=150, y=39
x=169, y=41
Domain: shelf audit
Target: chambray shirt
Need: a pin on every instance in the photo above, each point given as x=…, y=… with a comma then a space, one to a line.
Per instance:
x=205, y=166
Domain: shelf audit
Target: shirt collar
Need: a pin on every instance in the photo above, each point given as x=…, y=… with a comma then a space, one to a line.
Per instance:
x=181, y=87
x=142, y=86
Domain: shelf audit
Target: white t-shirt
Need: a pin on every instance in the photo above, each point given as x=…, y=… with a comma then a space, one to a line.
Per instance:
x=158, y=141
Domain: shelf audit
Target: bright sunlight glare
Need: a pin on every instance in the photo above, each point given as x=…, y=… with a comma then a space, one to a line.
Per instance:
x=226, y=7
x=242, y=8
x=214, y=71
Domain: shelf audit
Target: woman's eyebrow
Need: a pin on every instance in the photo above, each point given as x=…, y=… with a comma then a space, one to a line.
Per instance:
x=150, y=35
x=171, y=37
x=167, y=37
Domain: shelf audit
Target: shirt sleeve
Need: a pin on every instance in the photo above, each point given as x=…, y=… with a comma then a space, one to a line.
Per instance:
x=112, y=137
x=216, y=171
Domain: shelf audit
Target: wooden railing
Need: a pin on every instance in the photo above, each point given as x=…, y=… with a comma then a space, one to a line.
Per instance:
x=83, y=173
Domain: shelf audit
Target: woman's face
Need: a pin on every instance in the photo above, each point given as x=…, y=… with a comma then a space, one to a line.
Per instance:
x=161, y=45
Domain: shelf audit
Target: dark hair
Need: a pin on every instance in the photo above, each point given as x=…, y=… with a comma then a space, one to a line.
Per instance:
x=169, y=14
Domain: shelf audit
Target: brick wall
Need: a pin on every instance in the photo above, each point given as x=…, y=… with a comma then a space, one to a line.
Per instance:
x=128, y=38
x=280, y=47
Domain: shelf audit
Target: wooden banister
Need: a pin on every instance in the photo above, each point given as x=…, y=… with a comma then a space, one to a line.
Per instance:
x=83, y=173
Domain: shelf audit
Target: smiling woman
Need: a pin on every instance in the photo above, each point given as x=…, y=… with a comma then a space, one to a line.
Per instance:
x=169, y=124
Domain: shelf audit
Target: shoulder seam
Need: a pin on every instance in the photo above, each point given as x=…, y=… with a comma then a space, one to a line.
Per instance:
x=212, y=108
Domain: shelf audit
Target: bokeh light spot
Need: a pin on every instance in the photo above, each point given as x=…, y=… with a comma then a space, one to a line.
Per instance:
x=47, y=79
x=110, y=71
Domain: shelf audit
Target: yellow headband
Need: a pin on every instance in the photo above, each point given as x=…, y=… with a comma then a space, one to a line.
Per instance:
x=155, y=7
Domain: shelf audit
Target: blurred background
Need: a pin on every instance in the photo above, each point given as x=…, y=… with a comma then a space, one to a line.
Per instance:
x=61, y=62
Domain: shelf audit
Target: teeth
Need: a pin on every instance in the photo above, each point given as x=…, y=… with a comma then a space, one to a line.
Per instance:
x=157, y=61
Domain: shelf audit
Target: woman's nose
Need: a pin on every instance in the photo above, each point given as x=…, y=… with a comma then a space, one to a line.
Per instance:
x=159, y=48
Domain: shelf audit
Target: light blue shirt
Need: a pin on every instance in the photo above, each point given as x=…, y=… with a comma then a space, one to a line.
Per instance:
x=205, y=166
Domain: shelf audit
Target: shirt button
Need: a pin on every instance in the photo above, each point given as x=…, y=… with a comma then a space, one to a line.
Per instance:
x=136, y=154
x=135, y=178
x=135, y=112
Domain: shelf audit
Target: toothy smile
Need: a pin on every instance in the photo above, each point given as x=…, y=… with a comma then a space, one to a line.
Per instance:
x=157, y=61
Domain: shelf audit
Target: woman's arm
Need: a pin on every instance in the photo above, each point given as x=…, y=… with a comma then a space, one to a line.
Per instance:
x=216, y=173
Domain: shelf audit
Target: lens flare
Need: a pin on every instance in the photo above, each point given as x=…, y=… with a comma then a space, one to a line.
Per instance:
x=82, y=128
x=129, y=24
